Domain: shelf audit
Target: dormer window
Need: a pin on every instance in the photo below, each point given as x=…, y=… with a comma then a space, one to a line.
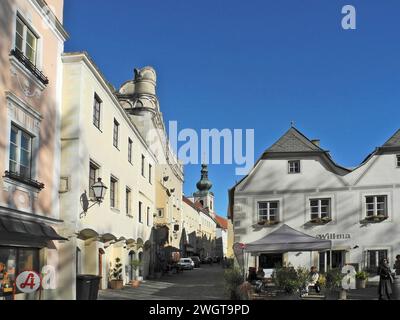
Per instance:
x=294, y=166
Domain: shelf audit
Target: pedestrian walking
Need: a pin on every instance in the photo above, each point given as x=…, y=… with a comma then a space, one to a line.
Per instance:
x=397, y=265
x=385, y=280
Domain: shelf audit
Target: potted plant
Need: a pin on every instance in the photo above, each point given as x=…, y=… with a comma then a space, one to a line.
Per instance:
x=233, y=279
x=361, y=279
x=135, y=264
x=116, y=275
x=334, y=287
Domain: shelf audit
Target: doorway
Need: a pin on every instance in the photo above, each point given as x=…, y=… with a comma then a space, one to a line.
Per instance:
x=131, y=257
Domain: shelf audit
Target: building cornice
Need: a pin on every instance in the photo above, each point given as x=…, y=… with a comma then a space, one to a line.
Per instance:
x=52, y=21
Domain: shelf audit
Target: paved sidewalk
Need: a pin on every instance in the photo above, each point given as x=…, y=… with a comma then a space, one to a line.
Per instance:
x=205, y=283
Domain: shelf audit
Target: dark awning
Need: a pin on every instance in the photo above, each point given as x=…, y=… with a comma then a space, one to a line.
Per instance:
x=15, y=230
x=286, y=239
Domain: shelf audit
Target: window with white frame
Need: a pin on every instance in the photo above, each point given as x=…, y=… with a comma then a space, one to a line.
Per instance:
x=113, y=192
x=116, y=134
x=294, y=166
x=26, y=41
x=128, y=201
x=374, y=257
x=96, y=111
x=160, y=213
x=268, y=211
x=93, y=175
x=376, y=206
x=20, y=160
x=320, y=208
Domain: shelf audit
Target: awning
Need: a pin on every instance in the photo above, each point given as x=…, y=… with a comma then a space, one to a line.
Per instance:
x=18, y=231
x=287, y=239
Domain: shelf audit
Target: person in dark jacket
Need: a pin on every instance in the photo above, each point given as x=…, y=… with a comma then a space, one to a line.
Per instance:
x=385, y=280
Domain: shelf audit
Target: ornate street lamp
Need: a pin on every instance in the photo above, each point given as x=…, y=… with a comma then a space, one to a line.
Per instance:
x=99, y=190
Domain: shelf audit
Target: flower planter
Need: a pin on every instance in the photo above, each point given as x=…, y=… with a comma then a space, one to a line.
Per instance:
x=135, y=283
x=320, y=220
x=361, y=283
x=116, y=284
x=374, y=219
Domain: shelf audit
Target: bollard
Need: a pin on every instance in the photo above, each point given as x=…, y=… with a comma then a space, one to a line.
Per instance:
x=396, y=288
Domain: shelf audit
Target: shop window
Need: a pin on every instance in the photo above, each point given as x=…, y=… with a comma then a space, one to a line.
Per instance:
x=13, y=261
x=270, y=261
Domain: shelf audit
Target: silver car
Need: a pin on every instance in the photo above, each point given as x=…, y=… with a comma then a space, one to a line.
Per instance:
x=186, y=263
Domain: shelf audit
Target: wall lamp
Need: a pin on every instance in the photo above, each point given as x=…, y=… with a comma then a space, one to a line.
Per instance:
x=99, y=190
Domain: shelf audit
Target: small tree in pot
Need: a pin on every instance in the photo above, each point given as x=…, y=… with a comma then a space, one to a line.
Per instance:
x=116, y=275
x=334, y=287
x=361, y=279
x=135, y=264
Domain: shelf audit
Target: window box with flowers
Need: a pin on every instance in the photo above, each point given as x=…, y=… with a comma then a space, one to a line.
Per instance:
x=320, y=220
x=374, y=219
x=267, y=223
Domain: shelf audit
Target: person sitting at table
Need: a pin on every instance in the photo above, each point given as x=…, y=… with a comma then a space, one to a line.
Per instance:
x=312, y=281
x=252, y=277
x=260, y=274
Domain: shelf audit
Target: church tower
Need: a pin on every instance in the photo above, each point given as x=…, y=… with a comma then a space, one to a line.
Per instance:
x=203, y=194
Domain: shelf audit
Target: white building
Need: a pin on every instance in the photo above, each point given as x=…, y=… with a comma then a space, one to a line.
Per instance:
x=99, y=140
x=296, y=182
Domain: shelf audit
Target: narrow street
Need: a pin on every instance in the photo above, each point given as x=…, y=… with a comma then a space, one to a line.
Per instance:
x=205, y=283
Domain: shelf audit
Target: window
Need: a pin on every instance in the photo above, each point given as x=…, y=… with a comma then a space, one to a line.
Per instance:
x=140, y=212
x=93, y=175
x=113, y=192
x=294, y=166
x=373, y=259
x=160, y=213
x=398, y=161
x=130, y=143
x=96, y=111
x=143, y=165
x=26, y=41
x=116, y=134
x=320, y=208
x=20, y=152
x=237, y=223
x=128, y=200
x=14, y=261
x=150, y=168
x=268, y=211
x=376, y=206
x=148, y=216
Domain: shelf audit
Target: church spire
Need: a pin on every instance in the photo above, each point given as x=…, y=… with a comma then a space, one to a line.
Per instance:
x=204, y=185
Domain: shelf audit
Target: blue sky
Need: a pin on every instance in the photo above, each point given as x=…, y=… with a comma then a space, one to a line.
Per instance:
x=256, y=64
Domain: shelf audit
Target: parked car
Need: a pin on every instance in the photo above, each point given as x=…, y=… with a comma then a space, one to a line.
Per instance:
x=186, y=263
x=196, y=261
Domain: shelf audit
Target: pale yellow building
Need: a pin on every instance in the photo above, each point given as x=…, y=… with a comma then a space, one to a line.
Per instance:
x=99, y=140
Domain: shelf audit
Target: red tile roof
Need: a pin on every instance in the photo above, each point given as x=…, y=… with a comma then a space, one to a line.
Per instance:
x=222, y=222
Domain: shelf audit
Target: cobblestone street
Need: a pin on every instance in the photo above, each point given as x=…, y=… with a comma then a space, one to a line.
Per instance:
x=205, y=283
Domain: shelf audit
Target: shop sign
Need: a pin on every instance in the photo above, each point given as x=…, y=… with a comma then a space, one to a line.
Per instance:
x=334, y=236
x=30, y=281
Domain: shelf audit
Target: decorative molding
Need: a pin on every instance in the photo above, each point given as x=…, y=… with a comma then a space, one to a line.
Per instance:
x=28, y=81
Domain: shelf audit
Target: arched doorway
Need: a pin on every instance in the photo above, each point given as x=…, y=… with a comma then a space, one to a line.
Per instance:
x=131, y=257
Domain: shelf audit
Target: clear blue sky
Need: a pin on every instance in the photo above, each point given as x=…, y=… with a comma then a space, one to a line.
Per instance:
x=255, y=64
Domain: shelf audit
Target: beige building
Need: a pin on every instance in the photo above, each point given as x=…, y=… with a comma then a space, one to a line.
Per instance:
x=100, y=140
x=32, y=40
x=139, y=99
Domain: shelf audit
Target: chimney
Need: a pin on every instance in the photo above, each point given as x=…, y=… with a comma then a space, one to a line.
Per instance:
x=317, y=142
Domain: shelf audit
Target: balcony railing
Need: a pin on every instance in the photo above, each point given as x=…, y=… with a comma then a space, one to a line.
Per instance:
x=30, y=66
x=28, y=181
